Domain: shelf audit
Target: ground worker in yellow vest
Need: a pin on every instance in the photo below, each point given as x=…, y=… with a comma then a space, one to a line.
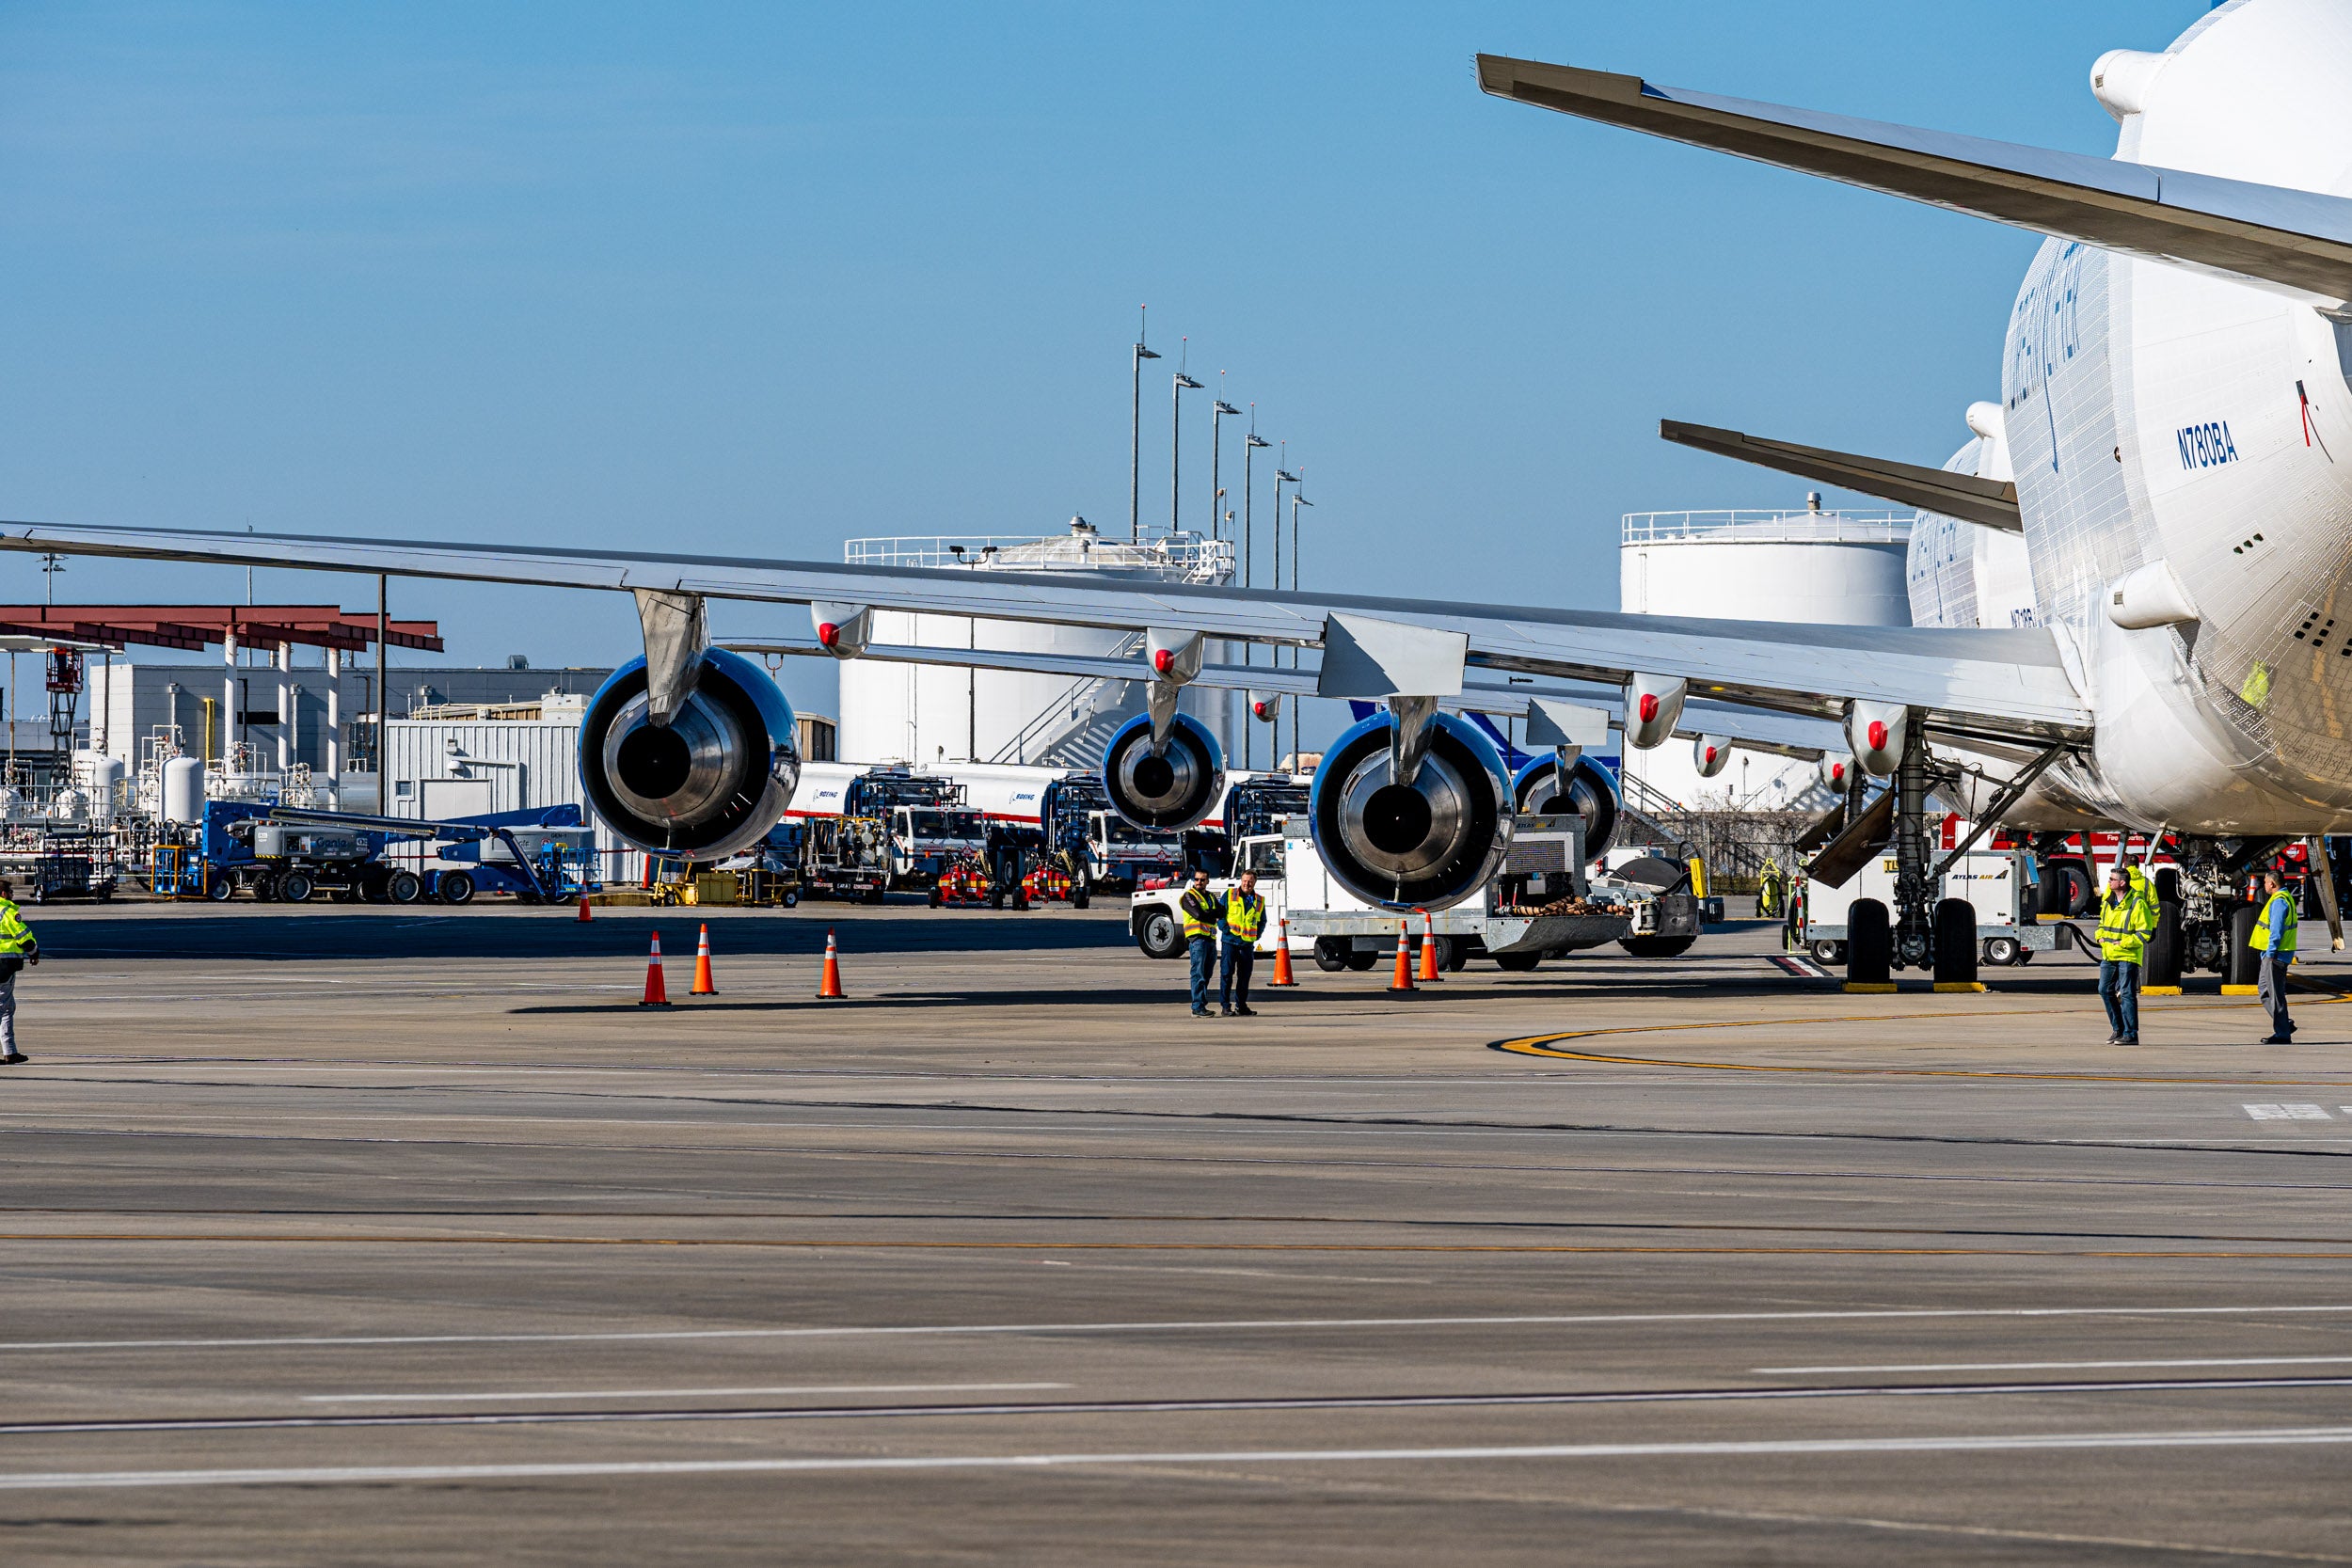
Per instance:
x=1769, y=891
x=18, y=948
x=1201, y=912
x=2274, y=939
x=2126, y=916
x=1243, y=919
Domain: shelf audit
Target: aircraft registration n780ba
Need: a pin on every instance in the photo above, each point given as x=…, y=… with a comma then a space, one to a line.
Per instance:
x=2130, y=586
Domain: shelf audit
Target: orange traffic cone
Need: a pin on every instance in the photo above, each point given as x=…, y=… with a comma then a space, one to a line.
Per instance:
x=1403, y=980
x=1282, y=976
x=831, y=985
x=1428, y=948
x=656, y=994
x=583, y=907
x=701, y=967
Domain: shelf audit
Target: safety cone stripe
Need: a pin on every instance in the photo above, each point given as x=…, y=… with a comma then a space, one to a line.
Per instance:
x=703, y=986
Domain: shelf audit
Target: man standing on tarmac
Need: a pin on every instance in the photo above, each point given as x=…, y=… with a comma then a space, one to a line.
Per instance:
x=1198, y=906
x=2274, y=939
x=2126, y=915
x=18, y=948
x=1244, y=919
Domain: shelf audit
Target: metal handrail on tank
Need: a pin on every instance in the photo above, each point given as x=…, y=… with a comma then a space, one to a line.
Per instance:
x=1797, y=526
x=1187, y=556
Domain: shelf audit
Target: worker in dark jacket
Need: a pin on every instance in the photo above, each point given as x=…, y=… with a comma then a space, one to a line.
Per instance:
x=1243, y=919
x=18, y=948
x=1199, y=908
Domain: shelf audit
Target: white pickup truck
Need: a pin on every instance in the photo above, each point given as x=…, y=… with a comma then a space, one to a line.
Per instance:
x=1340, y=931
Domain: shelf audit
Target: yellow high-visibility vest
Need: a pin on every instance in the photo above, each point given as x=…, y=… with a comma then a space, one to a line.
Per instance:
x=2280, y=899
x=1244, y=915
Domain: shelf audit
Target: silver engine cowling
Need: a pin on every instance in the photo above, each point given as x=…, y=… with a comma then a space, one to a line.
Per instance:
x=1427, y=844
x=1591, y=794
x=1169, y=791
x=711, y=782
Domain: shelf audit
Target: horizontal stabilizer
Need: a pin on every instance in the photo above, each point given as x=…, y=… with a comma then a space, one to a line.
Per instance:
x=2296, y=240
x=1990, y=501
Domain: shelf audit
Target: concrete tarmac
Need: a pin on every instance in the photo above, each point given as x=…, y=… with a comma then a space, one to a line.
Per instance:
x=365, y=1236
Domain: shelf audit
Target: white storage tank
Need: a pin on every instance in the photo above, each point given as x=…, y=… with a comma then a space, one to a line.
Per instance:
x=1832, y=568
x=184, y=790
x=930, y=714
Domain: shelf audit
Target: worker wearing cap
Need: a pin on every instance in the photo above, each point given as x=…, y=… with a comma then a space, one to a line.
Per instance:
x=1198, y=906
x=2126, y=915
x=18, y=948
x=1243, y=919
x=2274, y=939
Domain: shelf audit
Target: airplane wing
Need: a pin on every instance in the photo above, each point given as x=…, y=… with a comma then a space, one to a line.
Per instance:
x=1994, y=683
x=1754, y=729
x=1990, y=501
x=2298, y=241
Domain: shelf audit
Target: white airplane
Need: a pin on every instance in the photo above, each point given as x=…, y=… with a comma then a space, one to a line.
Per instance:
x=2136, y=570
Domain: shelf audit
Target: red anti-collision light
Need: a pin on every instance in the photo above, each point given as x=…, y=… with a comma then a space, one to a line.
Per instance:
x=1837, y=772
x=1163, y=661
x=828, y=634
x=1878, y=735
x=1650, y=708
x=1710, y=753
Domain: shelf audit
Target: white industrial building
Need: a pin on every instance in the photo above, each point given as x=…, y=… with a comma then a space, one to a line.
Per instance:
x=299, y=713
x=928, y=714
x=1833, y=568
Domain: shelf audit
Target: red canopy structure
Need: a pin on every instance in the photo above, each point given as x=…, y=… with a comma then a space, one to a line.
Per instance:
x=198, y=627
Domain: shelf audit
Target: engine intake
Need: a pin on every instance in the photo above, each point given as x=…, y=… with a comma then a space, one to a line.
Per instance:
x=711, y=782
x=1429, y=844
x=1172, y=790
x=1591, y=795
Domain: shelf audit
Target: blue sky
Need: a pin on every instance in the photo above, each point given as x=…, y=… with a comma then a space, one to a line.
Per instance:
x=755, y=278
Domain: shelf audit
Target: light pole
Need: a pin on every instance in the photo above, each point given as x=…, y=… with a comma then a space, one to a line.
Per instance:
x=1282, y=477
x=1248, y=651
x=1134, y=440
x=1217, y=411
x=1176, y=447
x=1298, y=501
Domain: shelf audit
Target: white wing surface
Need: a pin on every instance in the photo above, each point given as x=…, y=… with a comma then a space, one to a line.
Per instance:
x=2297, y=241
x=1994, y=683
x=1759, y=730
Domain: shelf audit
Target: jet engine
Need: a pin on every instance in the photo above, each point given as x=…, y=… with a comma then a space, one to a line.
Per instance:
x=1174, y=789
x=1591, y=795
x=1428, y=843
x=708, y=784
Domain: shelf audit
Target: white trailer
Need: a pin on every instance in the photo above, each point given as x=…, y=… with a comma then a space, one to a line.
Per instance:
x=2001, y=884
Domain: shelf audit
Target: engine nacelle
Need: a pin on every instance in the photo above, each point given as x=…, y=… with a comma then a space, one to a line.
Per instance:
x=1428, y=845
x=1173, y=790
x=1592, y=795
x=711, y=782
x=1711, y=755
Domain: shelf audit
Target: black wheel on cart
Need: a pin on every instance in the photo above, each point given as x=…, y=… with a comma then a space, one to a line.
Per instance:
x=791, y=900
x=1518, y=964
x=221, y=889
x=1330, y=955
x=1361, y=958
x=2002, y=952
x=1080, y=895
x=264, y=888
x=1829, y=954
x=1657, y=947
x=455, y=887
x=404, y=887
x=296, y=887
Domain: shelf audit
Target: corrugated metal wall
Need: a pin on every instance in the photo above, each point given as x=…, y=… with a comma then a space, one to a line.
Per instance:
x=528, y=765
